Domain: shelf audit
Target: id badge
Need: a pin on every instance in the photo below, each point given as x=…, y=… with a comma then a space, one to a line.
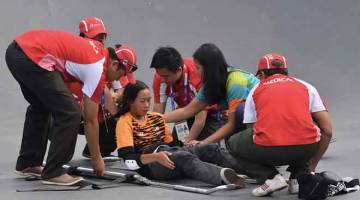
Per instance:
x=182, y=130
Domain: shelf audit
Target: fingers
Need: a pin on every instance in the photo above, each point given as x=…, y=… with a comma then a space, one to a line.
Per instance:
x=98, y=166
x=193, y=143
x=166, y=162
x=171, y=164
x=99, y=172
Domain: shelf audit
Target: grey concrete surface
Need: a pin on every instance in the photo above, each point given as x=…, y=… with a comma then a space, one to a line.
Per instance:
x=319, y=38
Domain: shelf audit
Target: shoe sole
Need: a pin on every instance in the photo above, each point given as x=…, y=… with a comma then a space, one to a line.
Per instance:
x=26, y=174
x=63, y=184
x=293, y=192
x=231, y=175
x=278, y=189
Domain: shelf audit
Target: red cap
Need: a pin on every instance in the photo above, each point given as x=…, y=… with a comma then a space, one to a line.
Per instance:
x=92, y=26
x=272, y=61
x=127, y=56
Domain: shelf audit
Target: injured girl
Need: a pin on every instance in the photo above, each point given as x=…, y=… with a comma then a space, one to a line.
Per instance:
x=145, y=142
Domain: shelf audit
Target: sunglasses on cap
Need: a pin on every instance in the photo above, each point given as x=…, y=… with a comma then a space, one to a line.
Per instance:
x=129, y=68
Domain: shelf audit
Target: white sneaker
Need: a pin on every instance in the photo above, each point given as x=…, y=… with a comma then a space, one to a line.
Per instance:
x=293, y=186
x=270, y=186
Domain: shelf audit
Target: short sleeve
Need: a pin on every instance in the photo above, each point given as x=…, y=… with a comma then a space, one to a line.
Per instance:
x=92, y=77
x=159, y=90
x=124, y=132
x=250, y=110
x=239, y=85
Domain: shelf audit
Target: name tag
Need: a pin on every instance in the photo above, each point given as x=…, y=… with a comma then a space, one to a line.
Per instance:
x=182, y=130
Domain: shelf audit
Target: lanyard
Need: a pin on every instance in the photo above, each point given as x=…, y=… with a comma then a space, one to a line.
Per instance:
x=186, y=90
x=102, y=106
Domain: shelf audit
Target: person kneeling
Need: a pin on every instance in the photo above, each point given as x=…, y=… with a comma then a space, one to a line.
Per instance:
x=290, y=125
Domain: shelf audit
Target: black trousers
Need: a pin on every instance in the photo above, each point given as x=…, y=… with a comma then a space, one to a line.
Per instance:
x=260, y=161
x=107, y=136
x=201, y=162
x=48, y=96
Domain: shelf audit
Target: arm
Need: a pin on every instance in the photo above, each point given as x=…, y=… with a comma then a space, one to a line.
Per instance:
x=134, y=160
x=251, y=125
x=323, y=121
x=186, y=112
x=160, y=96
x=197, y=127
x=159, y=107
x=92, y=135
x=161, y=157
x=224, y=131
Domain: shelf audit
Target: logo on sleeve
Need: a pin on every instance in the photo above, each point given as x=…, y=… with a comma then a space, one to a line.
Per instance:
x=95, y=48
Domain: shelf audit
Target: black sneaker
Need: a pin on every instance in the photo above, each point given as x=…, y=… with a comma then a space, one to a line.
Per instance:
x=229, y=176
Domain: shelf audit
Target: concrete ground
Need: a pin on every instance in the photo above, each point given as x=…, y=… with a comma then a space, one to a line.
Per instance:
x=319, y=38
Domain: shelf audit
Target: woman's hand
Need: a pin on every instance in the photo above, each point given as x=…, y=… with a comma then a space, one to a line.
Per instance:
x=192, y=142
x=163, y=159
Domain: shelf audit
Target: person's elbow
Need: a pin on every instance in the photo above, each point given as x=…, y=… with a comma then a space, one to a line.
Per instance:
x=91, y=119
x=200, y=118
x=230, y=127
x=327, y=132
x=323, y=121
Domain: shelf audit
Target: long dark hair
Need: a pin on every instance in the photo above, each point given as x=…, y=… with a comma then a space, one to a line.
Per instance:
x=131, y=91
x=214, y=72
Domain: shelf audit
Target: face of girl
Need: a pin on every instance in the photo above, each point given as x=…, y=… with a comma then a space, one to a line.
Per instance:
x=199, y=68
x=141, y=105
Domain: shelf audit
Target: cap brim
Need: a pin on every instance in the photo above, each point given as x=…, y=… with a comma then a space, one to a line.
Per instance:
x=92, y=34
